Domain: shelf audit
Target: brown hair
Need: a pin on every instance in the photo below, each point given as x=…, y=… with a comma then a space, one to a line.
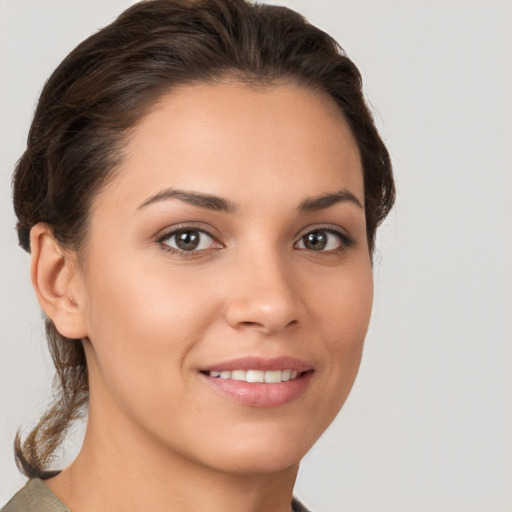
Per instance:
x=109, y=82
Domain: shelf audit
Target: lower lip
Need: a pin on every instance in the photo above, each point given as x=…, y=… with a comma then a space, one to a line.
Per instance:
x=259, y=394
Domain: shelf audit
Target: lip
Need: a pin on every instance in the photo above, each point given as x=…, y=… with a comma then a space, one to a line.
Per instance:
x=260, y=363
x=260, y=395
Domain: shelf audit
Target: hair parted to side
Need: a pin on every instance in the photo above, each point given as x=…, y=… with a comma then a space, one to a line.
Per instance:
x=109, y=82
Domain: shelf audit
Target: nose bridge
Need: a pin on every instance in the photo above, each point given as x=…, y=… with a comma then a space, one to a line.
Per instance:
x=263, y=292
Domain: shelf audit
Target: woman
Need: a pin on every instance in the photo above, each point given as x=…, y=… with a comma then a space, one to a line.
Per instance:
x=200, y=194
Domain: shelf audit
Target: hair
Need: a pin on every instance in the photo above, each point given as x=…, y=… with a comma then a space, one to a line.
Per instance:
x=105, y=86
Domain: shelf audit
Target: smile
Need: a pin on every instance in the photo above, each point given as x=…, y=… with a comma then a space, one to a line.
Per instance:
x=269, y=376
x=258, y=381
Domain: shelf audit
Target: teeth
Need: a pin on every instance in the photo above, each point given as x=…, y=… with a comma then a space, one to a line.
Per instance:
x=270, y=376
x=274, y=376
x=255, y=376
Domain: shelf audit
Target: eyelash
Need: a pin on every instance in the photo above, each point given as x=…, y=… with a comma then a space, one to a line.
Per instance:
x=344, y=239
x=185, y=254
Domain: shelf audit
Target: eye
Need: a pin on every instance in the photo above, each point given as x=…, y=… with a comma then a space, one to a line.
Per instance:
x=187, y=240
x=323, y=240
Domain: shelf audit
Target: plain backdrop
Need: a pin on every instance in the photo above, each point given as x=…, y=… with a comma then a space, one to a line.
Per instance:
x=428, y=426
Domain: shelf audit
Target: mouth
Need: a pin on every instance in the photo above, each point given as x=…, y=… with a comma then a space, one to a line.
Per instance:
x=253, y=376
x=260, y=382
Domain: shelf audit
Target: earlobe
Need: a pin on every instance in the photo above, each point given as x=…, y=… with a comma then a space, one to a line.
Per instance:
x=55, y=278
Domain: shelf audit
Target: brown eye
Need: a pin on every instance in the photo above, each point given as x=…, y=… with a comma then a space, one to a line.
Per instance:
x=320, y=240
x=315, y=241
x=188, y=240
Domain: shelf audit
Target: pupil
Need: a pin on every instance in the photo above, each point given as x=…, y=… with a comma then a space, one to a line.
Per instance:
x=187, y=240
x=316, y=241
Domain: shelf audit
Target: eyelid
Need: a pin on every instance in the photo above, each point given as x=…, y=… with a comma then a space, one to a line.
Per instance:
x=172, y=230
x=192, y=225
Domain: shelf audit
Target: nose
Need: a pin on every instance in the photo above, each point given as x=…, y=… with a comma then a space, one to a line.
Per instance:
x=263, y=296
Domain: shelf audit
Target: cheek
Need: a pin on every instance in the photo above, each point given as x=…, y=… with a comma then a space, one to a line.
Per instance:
x=344, y=304
x=143, y=322
x=343, y=313
x=135, y=297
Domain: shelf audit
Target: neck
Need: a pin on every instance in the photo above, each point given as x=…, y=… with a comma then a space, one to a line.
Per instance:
x=119, y=469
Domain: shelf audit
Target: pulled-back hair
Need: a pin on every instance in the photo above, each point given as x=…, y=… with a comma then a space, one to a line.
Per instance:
x=106, y=85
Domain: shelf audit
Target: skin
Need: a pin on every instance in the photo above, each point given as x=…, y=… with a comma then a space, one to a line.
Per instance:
x=158, y=436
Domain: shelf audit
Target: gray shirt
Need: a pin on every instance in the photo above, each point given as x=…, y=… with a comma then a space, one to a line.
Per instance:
x=37, y=497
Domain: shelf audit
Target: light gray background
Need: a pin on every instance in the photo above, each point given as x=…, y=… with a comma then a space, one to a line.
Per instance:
x=428, y=426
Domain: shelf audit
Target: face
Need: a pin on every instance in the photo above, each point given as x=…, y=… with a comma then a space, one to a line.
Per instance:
x=229, y=249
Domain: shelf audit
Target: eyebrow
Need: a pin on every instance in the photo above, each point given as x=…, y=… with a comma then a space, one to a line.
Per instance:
x=326, y=200
x=219, y=204
x=206, y=201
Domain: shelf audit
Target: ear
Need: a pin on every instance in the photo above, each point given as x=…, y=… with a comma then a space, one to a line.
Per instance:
x=57, y=282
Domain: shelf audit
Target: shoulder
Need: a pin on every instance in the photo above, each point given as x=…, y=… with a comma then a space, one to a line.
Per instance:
x=35, y=497
x=297, y=506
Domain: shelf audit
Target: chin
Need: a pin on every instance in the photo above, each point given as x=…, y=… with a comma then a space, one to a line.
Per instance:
x=262, y=452
x=263, y=462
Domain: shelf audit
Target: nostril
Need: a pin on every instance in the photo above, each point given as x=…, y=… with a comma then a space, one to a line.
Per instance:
x=251, y=324
x=258, y=325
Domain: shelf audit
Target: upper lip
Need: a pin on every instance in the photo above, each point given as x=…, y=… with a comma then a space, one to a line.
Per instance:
x=260, y=363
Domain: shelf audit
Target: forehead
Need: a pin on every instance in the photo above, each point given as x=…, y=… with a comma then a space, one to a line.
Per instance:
x=229, y=139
